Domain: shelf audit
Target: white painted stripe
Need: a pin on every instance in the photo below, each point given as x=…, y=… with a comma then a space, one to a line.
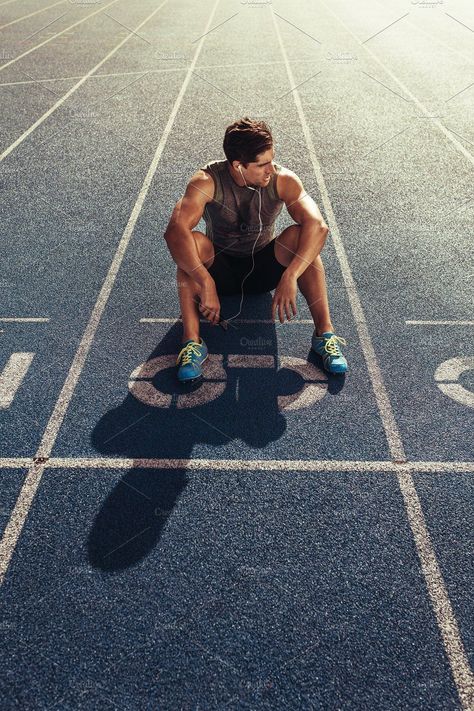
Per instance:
x=76, y=86
x=12, y=377
x=433, y=467
x=445, y=618
x=58, y=34
x=151, y=71
x=7, y=2
x=15, y=462
x=23, y=319
x=238, y=320
x=33, y=478
x=238, y=360
x=444, y=613
x=95, y=76
x=391, y=430
x=423, y=109
x=283, y=465
x=440, y=323
x=24, y=17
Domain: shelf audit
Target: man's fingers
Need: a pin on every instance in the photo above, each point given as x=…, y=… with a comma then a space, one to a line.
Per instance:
x=214, y=317
x=293, y=306
x=209, y=313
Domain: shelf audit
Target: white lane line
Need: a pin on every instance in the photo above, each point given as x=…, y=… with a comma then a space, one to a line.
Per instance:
x=23, y=319
x=73, y=89
x=151, y=71
x=96, y=76
x=299, y=465
x=15, y=462
x=391, y=431
x=238, y=320
x=12, y=377
x=58, y=34
x=7, y=2
x=260, y=464
x=434, y=121
x=440, y=323
x=24, y=17
x=33, y=477
x=443, y=611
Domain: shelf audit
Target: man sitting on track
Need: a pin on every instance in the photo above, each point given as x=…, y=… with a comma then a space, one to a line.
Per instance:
x=240, y=199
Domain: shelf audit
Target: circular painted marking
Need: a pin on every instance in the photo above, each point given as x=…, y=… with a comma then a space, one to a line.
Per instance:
x=449, y=371
x=214, y=381
x=141, y=386
x=314, y=388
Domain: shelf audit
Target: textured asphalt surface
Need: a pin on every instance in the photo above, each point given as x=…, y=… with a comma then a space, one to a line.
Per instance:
x=253, y=587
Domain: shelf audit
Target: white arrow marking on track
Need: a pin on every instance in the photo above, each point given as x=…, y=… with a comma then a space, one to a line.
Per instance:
x=12, y=377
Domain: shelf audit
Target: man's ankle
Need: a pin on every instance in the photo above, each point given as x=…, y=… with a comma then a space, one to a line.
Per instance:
x=319, y=331
x=194, y=338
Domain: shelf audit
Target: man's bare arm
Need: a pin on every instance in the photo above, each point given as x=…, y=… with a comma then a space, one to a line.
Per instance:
x=185, y=216
x=305, y=212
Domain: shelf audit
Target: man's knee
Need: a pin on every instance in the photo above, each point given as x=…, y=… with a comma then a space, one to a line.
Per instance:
x=286, y=244
x=204, y=247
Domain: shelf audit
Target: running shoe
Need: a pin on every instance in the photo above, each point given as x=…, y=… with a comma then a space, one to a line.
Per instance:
x=327, y=346
x=190, y=359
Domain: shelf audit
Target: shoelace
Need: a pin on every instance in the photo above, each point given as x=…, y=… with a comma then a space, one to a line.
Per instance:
x=187, y=352
x=331, y=345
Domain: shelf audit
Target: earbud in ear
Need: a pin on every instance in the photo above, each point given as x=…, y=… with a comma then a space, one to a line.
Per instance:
x=247, y=186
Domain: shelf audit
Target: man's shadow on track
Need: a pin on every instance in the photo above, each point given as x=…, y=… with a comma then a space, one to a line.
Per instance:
x=134, y=515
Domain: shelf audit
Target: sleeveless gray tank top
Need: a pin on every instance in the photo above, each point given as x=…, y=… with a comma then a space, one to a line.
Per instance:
x=232, y=221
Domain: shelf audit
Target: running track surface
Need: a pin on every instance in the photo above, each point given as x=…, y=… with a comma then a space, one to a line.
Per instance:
x=274, y=537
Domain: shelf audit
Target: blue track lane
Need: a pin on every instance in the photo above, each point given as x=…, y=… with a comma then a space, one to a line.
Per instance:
x=224, y=587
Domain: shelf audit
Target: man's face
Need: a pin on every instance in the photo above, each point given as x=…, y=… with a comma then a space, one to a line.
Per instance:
x=260, y=172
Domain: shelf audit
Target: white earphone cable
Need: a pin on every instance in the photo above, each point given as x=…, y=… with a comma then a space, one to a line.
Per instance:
x=253, y=248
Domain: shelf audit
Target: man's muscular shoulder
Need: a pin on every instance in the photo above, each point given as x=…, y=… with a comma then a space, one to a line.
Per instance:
x=204, y=183
x=285, y=180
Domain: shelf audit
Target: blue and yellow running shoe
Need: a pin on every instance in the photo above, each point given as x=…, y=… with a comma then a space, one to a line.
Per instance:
x=327, y=346
x=190, y=359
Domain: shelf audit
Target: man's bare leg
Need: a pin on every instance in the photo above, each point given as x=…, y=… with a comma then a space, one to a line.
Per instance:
x=189, y=290
x=312, y=284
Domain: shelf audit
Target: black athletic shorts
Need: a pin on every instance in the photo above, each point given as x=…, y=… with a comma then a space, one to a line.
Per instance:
x=229, y=272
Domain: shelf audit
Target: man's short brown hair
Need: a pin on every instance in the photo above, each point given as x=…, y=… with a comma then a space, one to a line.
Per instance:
x=245, y=139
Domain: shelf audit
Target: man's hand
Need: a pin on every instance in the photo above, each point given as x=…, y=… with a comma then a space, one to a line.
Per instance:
x=210, y=306
x=284, y=297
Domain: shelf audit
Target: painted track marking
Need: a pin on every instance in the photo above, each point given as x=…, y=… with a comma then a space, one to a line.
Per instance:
x=12, y=377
